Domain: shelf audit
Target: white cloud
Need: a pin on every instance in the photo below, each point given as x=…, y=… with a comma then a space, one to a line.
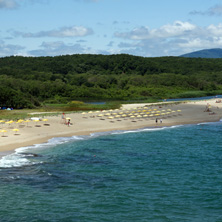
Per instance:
x=73, y=31
x=8, y=4
x=58, y=48
x=213, y=11
x=178, y=28
x=9, y=49
x=61, y=48
x=171, y=39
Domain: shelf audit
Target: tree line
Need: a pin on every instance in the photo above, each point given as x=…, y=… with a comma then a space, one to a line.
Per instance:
x=31, y=81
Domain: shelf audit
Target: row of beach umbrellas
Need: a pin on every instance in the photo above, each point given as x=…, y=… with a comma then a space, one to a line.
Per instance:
x=134, y=113
x=14, y=123
x=21, y=121
x=5, y=131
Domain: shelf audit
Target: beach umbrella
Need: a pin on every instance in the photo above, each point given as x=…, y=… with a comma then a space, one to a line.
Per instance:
x=100, y=115
x=178, y=110
x=27, y=121
x=36, y=120
x=3, y=131
x=110, y=117
x=15, y=130
x=45, y=120
x=9, y=122
x=20, y=121
x=68, y=118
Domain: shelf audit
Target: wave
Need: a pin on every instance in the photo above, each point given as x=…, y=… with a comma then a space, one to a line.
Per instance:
x=21, y=155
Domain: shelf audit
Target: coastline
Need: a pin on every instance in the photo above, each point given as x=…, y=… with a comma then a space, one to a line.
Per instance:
x=190, y=112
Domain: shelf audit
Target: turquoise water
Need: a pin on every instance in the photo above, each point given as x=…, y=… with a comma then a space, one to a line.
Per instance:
x=167, y=174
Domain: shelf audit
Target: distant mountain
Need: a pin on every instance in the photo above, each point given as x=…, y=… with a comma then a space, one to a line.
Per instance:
x=205, y=53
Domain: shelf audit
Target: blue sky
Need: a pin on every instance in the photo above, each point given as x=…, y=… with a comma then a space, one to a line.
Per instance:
x=149, y=28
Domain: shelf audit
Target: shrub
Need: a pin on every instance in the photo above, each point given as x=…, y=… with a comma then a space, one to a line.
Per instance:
x=75, y=103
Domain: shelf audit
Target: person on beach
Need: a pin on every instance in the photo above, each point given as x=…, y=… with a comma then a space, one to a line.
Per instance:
x=156, y=120
x=68, y=122
x=161, y=120
x=63, y=118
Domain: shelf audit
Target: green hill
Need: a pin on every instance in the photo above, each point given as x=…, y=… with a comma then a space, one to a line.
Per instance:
x=31, y=81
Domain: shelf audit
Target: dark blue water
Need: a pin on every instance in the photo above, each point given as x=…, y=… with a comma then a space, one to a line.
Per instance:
x=170, y=174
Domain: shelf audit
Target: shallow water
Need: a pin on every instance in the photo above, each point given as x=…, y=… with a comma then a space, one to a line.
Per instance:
x=160, y=174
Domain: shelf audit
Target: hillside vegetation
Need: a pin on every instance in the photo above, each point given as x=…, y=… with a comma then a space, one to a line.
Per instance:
x=31, y=81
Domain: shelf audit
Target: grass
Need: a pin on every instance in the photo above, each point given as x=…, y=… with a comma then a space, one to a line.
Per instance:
x=14, y=114
x=55, y=109
x=80, y=107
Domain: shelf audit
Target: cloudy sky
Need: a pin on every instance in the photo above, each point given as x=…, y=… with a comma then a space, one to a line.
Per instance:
x=149, y=28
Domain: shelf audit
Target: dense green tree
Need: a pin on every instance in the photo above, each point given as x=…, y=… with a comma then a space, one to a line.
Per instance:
x=28, y=80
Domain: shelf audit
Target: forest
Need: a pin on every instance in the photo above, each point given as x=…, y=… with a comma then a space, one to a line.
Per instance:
x=28, y=82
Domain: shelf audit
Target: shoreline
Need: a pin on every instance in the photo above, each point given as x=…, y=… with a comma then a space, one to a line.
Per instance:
x=191, y=112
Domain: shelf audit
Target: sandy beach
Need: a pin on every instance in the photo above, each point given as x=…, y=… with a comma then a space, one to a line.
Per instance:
x=130, y=116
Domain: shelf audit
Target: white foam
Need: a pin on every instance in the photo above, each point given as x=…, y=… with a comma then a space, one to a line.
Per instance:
x=18, y=158
x=148, y=129
x=210, y=123
x=13, y=160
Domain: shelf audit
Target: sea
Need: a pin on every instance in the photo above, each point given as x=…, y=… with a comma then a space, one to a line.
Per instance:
x=150, y=174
